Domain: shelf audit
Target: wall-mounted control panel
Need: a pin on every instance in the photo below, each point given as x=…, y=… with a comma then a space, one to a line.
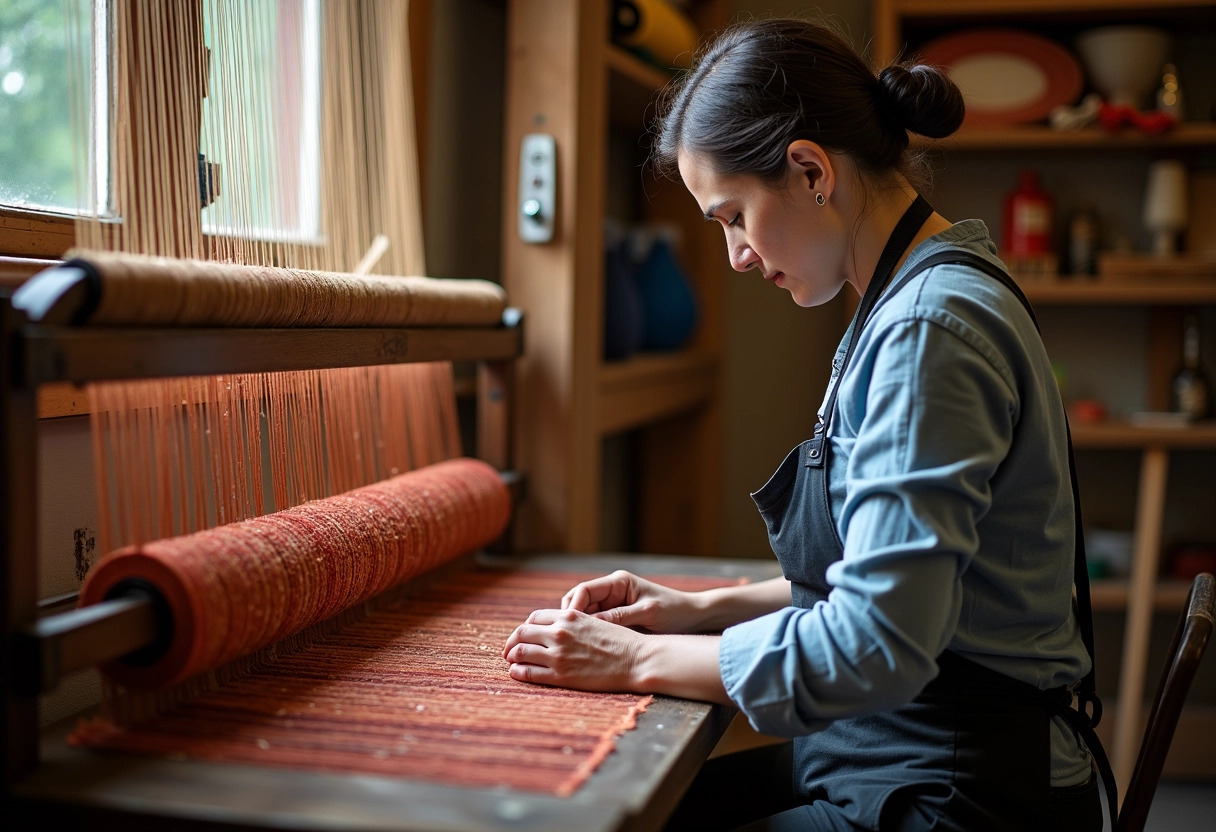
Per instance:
x=537, y=188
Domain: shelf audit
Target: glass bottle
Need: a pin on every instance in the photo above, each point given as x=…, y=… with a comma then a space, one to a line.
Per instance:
x=1192, y=394
x=1169, y=96
x=1083, y=242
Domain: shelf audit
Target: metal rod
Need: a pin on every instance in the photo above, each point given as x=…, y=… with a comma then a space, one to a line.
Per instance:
x=70, y=641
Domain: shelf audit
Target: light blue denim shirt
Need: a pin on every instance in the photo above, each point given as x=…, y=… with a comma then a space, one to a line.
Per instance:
x=949, y=485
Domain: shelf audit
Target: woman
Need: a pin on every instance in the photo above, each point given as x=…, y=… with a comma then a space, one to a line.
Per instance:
x=921, y=648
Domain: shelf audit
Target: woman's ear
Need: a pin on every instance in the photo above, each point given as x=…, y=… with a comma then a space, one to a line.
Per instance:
x=812, y=166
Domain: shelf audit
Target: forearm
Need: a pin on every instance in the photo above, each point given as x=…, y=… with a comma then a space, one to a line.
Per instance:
x=722, y=607
x=679, y=665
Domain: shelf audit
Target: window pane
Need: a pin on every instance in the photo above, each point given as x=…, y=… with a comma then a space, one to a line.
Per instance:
x=44, y=66
x=261, y=117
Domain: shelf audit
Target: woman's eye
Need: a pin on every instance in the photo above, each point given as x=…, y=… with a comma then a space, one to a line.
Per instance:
x=735, y=220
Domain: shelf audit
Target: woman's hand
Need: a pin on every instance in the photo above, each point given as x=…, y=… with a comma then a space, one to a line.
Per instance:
x=624, y=598
x=571, y=649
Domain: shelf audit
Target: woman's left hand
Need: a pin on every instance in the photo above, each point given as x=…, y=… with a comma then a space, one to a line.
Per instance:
x=572, y=649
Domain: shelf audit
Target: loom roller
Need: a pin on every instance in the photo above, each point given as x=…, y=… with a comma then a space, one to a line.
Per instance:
x=135, y=625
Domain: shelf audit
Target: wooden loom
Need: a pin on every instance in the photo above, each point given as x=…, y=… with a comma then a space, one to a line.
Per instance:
x=46, y=780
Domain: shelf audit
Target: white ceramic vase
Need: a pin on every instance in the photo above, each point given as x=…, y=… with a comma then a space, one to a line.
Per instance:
x=1124, y=62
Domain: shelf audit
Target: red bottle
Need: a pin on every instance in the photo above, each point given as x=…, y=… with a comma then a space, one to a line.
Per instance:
x=1028, y=218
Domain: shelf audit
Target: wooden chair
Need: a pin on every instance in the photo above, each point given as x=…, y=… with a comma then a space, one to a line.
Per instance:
x=1186, y=650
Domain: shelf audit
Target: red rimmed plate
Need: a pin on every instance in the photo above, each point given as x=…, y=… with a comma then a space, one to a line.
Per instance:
x=1007, y=76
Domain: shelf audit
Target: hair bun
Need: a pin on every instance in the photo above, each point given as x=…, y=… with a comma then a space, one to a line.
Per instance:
x=922, y=99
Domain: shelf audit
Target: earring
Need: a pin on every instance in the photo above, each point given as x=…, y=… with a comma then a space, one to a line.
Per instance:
x=820, y=198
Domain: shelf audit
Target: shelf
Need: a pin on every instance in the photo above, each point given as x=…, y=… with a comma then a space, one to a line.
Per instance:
x=1111, y=595
x=632, y=84
x=1115, y=435
x=651, y=387
x=1041, y=137
x=1000, y=8
x=624, y=63
x=1149, y=291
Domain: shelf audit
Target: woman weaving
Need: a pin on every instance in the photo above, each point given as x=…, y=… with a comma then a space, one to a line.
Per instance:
x=926, y=530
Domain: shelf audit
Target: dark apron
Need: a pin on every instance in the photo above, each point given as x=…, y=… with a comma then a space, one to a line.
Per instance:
x=972, y=751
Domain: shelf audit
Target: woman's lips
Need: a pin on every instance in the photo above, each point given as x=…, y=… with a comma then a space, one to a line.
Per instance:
x=775, y=277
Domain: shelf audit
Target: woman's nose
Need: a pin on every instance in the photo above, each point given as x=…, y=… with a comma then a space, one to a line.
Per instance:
x=742, y=257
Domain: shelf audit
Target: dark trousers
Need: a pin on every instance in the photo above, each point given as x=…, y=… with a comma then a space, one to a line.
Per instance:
x=752, y=791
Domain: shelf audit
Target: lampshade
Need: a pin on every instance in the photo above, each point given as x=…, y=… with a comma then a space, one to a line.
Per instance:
x=1165, y=204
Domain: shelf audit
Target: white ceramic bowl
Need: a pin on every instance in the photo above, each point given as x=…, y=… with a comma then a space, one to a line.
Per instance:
x=1124, y=62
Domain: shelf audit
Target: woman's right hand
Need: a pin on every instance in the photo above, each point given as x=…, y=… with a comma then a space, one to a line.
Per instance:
x=624, y=598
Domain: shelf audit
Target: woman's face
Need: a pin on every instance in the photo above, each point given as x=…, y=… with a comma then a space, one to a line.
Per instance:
x=781, y=232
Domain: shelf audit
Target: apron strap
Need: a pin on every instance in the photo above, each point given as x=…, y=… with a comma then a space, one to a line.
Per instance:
x=902, y=235
x=1085, y=718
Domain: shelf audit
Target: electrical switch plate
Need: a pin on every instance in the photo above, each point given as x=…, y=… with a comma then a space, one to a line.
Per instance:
x=537, y=188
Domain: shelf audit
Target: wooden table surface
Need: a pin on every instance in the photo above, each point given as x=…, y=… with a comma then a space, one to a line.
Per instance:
x=635, y=788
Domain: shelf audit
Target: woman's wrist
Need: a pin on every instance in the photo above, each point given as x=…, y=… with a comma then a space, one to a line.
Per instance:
x=719, y=608
x=680, y=665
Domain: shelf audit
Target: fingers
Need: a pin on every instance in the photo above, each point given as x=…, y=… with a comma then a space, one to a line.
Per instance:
x=625, y=616
x=600, y=593
x=530, y=654
x=577, y=599
x=542, y=628
x=534, y=674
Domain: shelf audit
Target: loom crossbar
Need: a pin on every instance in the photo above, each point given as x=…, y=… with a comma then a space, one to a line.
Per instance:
x=67, y=354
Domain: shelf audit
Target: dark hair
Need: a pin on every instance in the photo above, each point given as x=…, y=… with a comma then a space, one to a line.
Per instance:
x=766, y=83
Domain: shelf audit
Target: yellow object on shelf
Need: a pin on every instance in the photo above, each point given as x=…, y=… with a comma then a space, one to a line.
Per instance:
x=656, y=28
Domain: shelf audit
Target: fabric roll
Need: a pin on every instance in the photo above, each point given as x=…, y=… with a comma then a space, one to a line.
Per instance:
x=140, y=290
x=236, y=588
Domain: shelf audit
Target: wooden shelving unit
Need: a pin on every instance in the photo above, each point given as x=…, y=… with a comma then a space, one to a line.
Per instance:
x=1151, y=291
x=1090, y=139
x=1116, y=434
x=1111, y=595
x=900, y=27
x=566, y=78
x=652, y=387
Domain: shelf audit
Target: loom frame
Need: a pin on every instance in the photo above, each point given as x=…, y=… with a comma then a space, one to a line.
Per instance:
x=636, y=788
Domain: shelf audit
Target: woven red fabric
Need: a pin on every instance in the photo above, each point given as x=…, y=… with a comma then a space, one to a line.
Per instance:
x=417, y=688
x=236, y=588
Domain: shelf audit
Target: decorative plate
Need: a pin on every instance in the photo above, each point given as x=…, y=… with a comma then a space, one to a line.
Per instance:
x=1007, y=76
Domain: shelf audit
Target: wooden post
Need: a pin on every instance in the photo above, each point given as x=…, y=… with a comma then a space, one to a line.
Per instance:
x=18, y=545
x=1150, y=507
x=556, y=84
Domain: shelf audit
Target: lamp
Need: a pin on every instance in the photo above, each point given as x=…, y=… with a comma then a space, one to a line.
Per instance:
x=1165, y=208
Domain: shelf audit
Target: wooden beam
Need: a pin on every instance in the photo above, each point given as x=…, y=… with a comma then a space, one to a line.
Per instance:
x=1150, y=511
x=57, y=354
x=18, y=548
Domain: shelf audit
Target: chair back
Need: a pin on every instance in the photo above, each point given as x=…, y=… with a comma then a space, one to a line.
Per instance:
x=1186, y=650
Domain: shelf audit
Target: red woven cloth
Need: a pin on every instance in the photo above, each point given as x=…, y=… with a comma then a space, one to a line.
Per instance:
x=240, y=587
x=417, y=689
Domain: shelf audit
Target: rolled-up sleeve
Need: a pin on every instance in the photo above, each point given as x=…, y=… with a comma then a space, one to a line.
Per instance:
x=926, y=415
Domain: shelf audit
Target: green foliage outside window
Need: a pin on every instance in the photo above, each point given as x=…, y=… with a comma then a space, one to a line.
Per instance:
x=44, y=58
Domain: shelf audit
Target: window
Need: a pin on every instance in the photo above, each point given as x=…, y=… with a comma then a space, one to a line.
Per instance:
x=46, y=52
x=276, y=193
x=263, y=86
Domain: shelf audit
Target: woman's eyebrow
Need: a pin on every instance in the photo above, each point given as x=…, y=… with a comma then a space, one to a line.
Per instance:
x=713, y=209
